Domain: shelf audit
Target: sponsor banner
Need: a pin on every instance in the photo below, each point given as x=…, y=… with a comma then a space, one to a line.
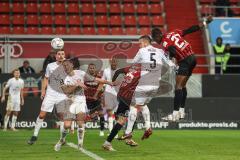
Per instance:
x=227, y=28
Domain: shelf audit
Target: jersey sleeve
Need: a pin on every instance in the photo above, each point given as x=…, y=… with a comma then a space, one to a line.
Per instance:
x=47, y=73
x=165, y=59
x=8, y=83
x=104, y=74
x=89, y=77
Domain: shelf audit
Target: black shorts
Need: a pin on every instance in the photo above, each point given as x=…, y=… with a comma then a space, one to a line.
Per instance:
x=94, y=106
x=187, y=65
x=123, y=107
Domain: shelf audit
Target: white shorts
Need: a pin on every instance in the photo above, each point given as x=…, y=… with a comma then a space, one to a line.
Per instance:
x=13, y=104
x=50, y=101
x=78, y=106
x=110, y=100
x=144, y=94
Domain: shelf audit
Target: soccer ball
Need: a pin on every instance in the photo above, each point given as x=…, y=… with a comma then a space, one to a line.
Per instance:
x=57, y=43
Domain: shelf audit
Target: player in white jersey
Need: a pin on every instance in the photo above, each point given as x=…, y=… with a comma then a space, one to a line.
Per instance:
x=110, y=93
x=15, y=98
x=51, y=92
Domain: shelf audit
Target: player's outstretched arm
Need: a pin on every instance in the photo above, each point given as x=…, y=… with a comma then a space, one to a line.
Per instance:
x=4, y=93
x=117, y=73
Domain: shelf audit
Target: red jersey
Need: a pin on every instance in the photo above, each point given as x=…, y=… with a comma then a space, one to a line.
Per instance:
x=130, y=82
x=183, y=48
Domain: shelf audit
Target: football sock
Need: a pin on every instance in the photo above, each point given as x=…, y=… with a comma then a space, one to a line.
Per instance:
x=146, y=116
x=102, y=123
x=6, y=119
x=110, y=123
x=114, y=132
x=132, y=116
x=184, y=93
x=73, y=125
x=14, y=119
x=64, y=134
x=80, y=134
x=38, y=125
x=61, y=127
x=178, y=99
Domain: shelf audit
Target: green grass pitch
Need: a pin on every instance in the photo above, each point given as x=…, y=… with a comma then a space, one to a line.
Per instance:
x=163, y=145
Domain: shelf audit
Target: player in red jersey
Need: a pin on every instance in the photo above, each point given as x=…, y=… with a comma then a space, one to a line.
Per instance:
x=174, y=43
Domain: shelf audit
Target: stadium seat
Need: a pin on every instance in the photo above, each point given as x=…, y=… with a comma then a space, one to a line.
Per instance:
x=18, y=30
x=60, y=30
x=131, y=31
x=74, y=20
x=32, y=19
x=103, y=31
x=206, y=1
x=18, y=19
x=128, y=1
x=102, y=20
x=31, y=7
x=88, y=31
x=32, y=30
x=115, y=20
x=141, y=1
x=157, y=20
x=88, y=20
x=155, y=1
x=234, y=2
x=74, y=30
x=142, y=8
x=130, y=20
x=46, y=30
x=206, y=10
x=101, y=8
x=87, y=8
x=60, y=20
x=45, y=8
x=145, y=31
x=46, y=19
x=114, y=8
x=4, y=7
x=5, y=19
x=73, y=8
x=144, y=20
x=59, y=8
x=236, y=11
x=117, y=31
x=18, y=7
x=128, y=8
x=4, y=30
x=155, y=8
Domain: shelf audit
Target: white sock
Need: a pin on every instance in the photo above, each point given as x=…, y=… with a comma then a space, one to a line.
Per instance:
x=64, y=134
x=80, y=134
x=146, y=116
x=73, y=125
x=132, y=116
x=14, y=119
x=110, y=123
x=175, y=113
x=38, y=125
x=182, y=110
x=61, y=127
x=6, y=119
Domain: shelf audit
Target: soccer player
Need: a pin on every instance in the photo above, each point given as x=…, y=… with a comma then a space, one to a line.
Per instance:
x=51, y=93
x=141, y=79
x=178, y=48
x=15, y=98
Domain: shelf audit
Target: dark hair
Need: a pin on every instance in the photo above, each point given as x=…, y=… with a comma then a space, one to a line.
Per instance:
x=156, y=32
x=219, y=38
x=146, y=37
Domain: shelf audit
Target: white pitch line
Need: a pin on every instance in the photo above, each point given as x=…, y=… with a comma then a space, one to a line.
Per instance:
x=88, y=153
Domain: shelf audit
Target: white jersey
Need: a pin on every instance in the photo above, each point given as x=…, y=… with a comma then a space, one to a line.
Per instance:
x=15, y=86
x=107, y=75
x=152, y=60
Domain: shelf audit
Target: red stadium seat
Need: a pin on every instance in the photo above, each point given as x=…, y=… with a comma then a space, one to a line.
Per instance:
x=33, y=30
x=128, y=1
x=32, y=19
x=142, y=8
x=144, y=20
x=60, y=30
x=88, y=31
x=145, y=31
x=207, y=1
x=157, y=21
x=4, y=7
x=32, y=7
x=45, y=8
x=114, y=8
x=115, y=20
x=103, y=31
x=206, y=10
x=18, y=7
x=88, y=20
x=46, y=30
x=102, y=20
x=5, y=19
x=131, y=31
x=74, y=20
x=101, y=8
x=18, y=30
x=73, y=8
x=74, y=30
x=130, y=21
x=46, y=19
x=18, y=19
x=117, y=31
x=142, y=1
x=4, y=30
x=87, y=8
x=60, y=20
x=156, y=9
x=128, y=8
x=59, y=8
x=155, y=1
